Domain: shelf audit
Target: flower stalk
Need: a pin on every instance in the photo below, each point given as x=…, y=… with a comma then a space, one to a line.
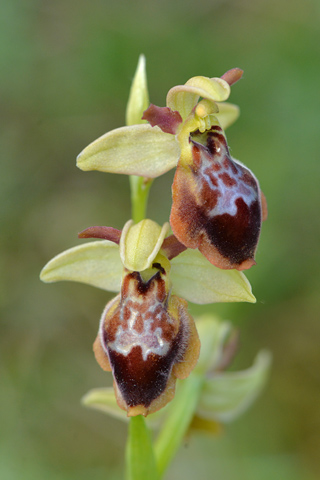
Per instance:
x=139, y=187
x=177, y=424
x=140, y=459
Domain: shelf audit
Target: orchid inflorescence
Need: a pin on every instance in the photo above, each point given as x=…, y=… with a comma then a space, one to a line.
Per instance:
x=146, y=336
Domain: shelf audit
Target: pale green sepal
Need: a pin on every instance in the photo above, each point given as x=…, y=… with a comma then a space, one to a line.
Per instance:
x=104, y=400
x=227, y=395
x=184, y=97
x=139, y=98
x=228, y=114
x=95, y=263
x=140, y=458
x=140, y=244
x=213, y=334
x=136, y=150
x=197, y=280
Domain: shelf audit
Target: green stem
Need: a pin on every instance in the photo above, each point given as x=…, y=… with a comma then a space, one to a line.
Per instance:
x=140, y=459
x=178, y=421
x=140, y=187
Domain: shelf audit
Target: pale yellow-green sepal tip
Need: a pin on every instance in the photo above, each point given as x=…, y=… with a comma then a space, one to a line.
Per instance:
x=139, y=98
x=197, y=280
x=95, y=263
x=184, y=97
x=140, y=244
x=104, y=400
x=136, y=150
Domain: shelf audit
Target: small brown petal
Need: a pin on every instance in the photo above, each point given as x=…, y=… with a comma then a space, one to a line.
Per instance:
x=172, y=247
x=216, y=203
x=149, y=340
x=167, y=119
x=106, y=233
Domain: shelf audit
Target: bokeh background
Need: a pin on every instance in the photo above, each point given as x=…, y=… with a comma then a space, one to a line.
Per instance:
x=66, y=69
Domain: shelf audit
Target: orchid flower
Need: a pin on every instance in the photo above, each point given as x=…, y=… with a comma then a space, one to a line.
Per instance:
x=146, y=336
x=224, y=395
x=217, y=203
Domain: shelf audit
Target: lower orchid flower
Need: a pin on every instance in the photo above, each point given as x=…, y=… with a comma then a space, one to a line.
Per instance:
x=146, y=336
x=224, y=394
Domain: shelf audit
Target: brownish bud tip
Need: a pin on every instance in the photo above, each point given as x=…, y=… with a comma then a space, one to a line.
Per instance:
x=232, y=76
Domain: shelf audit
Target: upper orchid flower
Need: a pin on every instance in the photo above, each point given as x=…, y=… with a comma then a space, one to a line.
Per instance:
x=217, y=203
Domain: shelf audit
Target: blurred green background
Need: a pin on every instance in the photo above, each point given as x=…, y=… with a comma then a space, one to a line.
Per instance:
x=66, y=69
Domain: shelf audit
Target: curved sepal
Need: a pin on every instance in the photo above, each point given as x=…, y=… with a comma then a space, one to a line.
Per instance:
x=135, y=150
x=198, y=281
x=227, y=395
x=183, y=98
x=95, y=263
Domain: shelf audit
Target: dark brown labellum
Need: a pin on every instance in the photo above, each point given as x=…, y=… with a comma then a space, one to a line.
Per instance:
x=216, y=203
x=149, y=340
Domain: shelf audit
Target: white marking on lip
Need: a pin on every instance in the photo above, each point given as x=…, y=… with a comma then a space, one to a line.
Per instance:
x=228, y=195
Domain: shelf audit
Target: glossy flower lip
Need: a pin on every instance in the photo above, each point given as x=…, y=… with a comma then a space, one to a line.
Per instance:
x=225, y=395
x=217, y=203
x=148, y=340
x=99, y=264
